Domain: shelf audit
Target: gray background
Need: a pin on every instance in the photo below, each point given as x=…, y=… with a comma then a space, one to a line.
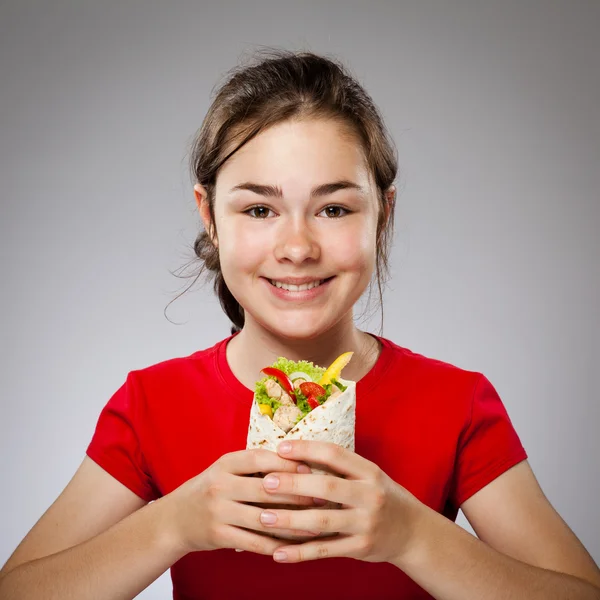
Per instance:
x=495, y=109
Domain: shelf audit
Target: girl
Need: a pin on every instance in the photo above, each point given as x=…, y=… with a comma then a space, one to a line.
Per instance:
x=294, y=184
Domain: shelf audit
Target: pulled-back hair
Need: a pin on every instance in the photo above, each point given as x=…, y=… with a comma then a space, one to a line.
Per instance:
x=276, y=86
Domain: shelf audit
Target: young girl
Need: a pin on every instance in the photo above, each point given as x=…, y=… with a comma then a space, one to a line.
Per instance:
x=294, y=184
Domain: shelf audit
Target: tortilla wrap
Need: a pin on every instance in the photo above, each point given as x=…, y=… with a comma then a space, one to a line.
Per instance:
x=332, y=421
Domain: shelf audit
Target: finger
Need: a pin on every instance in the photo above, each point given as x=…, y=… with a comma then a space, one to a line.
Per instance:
x=240, y=539
x=326, y=487
x=289, y=536
x=337, y=458
x=247, y=462
x=326, y=521
x=302, y=468
x=251, y=489
x=249, y=517
x=347, y=546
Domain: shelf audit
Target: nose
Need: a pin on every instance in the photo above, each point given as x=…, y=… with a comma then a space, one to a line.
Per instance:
x=296, y=243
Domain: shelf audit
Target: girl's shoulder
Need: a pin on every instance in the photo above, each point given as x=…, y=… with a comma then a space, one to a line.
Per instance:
x=411, y=366
x=202, y=363
x=403, y=353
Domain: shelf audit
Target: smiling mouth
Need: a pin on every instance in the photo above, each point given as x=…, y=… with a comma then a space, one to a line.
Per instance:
x=298, y=288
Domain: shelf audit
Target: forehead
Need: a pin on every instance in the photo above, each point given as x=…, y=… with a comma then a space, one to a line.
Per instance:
x=297, y=154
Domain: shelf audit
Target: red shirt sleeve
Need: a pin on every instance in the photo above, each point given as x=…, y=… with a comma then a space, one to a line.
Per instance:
x=115, y=445
x=487, y=447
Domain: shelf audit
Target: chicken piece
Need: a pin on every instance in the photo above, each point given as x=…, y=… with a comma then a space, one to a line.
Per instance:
x=285, y=400
x=275, y=391
x=298, y=382
x=286, y=416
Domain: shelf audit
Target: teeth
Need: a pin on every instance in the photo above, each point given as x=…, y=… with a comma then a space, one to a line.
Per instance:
x=296, y=288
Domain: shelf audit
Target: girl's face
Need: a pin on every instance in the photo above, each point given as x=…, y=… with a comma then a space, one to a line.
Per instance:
x=296, y=206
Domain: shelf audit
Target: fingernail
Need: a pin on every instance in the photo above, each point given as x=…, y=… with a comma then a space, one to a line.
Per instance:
x=280, y=556
x=268, y=518
x=285, y=447
x=271, y=482
x=304, y=469
x=319, y=501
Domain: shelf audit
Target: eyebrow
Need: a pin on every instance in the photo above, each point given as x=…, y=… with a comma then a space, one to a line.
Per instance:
x=274, y=191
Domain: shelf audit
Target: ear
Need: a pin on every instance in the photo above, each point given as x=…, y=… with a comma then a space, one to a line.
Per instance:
x=390, y=197
x=201, y=195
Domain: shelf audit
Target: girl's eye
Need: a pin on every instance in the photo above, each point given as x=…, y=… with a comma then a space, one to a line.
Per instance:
x=334, y=212
x=258, y=212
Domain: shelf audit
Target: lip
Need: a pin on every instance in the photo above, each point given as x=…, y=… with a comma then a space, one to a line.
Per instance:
x=302, y=296
x=297, y=280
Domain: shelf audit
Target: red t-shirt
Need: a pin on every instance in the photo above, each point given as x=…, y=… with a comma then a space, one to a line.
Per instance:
x=440, y=431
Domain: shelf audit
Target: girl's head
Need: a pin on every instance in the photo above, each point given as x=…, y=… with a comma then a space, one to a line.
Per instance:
x=294, y=170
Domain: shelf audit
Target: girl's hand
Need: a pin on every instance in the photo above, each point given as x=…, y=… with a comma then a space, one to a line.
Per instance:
x=378, y=517
x=209, y=511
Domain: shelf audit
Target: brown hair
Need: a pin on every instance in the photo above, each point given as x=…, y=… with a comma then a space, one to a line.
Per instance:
x=281, y=85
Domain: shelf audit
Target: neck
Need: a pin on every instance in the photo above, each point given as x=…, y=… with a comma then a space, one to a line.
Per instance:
x=256, y=347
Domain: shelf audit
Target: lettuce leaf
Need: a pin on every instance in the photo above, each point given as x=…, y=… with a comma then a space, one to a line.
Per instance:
x=289, y=367
x=302, y=402
x=339, y=385
x=261, y=395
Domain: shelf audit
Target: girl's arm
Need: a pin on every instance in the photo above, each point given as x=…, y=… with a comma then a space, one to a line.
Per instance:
x=88, y=544
x=117, y=564
x=98, y=541
x=525, y=549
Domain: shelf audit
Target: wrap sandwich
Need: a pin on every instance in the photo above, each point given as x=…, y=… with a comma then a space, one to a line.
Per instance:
x=302, y=401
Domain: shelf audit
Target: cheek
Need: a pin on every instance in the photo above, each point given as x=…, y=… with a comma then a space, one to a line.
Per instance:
x=241, y=250
x=353, y=251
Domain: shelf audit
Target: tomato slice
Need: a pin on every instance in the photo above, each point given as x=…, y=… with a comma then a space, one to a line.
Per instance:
x=312, y=402
x=309, y=388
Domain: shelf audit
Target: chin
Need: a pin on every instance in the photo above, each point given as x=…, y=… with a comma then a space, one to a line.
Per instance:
x=300, y=329
x=297, y=331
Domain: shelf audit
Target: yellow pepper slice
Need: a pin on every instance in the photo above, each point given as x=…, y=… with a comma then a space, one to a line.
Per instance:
x=333, y=372
x=265, y=409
